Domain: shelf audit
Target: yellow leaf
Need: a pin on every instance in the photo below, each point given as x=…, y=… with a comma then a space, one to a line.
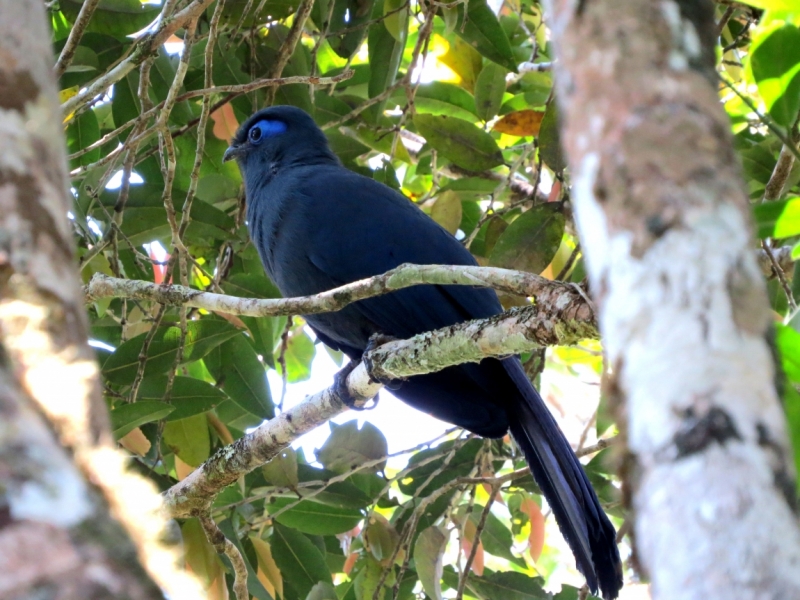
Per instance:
x=536, y=536
x=446, y=211
x=182, y=469
x=267, y=566
x=65, y=95
x=135, y=442
x=520, y=123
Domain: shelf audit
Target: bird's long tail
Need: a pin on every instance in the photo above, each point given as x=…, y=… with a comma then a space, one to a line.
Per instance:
x=560, y=476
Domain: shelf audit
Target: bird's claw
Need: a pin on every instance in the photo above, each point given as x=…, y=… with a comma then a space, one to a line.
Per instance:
x=343, y=393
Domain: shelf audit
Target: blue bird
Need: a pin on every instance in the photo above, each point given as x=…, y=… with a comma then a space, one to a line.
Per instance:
x=318, y=225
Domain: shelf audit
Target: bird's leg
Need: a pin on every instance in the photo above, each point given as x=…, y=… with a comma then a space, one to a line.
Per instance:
x=340, y=386
x=341, y=391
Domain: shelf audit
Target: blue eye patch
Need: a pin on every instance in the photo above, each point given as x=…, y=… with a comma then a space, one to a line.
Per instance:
x=264, y=129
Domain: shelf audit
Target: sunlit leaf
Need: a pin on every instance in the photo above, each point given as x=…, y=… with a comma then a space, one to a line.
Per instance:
x=775, y=62
x=778, y=219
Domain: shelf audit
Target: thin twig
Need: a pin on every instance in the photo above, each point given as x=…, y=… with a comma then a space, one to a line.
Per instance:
x=74, y=38
x=223, y=545
x=476, y=542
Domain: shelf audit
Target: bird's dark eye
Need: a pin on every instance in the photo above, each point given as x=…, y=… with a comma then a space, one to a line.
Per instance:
x=264, y=129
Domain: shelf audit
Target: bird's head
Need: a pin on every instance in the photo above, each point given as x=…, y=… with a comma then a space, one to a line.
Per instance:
x=276, y=137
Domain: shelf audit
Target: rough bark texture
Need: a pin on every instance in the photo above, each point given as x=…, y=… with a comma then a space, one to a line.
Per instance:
x=663, y=217
x=58, y=538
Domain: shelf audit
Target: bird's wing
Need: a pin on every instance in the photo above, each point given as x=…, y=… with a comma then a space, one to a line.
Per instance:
x=375, y=229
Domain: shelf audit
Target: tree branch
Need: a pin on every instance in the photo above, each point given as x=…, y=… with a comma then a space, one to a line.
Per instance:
x=406, y=275
x=512, y=332
x=75, y=35
x=146, y=45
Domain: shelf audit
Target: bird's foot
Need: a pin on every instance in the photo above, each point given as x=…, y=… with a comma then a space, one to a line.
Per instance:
x=343, y=393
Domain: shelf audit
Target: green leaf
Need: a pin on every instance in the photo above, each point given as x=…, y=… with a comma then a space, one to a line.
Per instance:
x=446, y=211
x=200, y=554
x=345, y=147
x=385, y=49
x=238, y=371
x=114, y=17
x=322, y=591
x=342, y=494
x=489, y=90
x=201, y=337
x=301, y=563
x=250, y=285
x=380, y=537
x=788, y=341
x=496, y=537
x=773, y=4
x=189, y=396
x=460, y=465
x=397, y=22
x=550, y=139
x=471, y=186
x=428, y=553
x=460, y=141
x=349, y=447
x=777, y=219
x=483, y=31
x=314, y=518
x=83, y=131
x=531, y=241
x=347, y=15
x=775, y=62
x=441, y=98
x=189, y=439
x=127, y=417
x=281, y=471
x=758, y=162
x=300, y=352
x=509, y=585
x=368, y=579
x=126, y=104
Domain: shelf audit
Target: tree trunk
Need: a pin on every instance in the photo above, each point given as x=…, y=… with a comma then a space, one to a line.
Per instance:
x=58, y=538
x=664, y=220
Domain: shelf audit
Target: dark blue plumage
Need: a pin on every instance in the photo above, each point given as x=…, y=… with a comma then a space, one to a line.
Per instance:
x=318, y=225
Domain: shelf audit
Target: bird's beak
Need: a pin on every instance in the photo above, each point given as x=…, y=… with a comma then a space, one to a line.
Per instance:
x=231, y=153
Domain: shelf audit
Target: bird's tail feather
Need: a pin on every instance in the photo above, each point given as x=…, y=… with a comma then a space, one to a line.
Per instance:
x=560, y=476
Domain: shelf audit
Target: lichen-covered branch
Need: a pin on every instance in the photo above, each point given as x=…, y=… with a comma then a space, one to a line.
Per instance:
x=513, y=332
x=544, y=291
x=193, y=495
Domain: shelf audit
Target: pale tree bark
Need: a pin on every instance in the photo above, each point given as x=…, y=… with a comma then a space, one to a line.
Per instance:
x=73, y=522
x=664, y=221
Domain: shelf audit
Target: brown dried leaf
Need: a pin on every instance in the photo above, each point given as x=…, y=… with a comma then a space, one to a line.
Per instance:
x=521, y=123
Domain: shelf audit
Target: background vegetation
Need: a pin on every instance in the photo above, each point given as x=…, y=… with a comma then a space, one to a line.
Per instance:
x=452, y=104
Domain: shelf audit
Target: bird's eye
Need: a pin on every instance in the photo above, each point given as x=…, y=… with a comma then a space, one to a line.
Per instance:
x=264, y=129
